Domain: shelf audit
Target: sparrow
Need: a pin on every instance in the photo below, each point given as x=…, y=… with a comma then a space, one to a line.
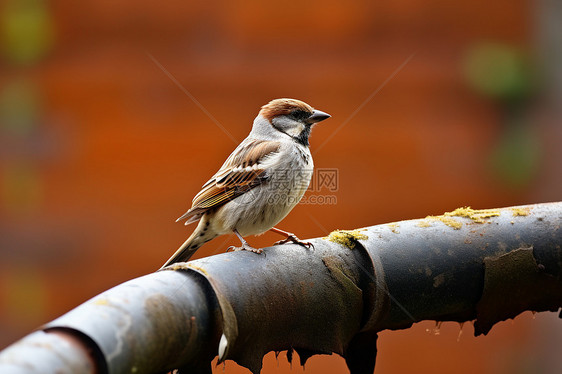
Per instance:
x=259, y=183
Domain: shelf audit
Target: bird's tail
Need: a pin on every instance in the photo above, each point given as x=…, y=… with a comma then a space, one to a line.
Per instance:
x=199, y=237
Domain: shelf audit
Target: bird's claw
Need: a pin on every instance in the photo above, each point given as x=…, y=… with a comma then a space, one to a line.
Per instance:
x=293, y=239
x=244, y=247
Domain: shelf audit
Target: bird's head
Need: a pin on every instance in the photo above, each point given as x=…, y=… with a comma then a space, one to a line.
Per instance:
x=290, y=117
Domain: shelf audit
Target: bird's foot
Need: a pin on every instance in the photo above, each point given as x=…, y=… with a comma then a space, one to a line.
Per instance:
x=244, y=247
x=292, y=238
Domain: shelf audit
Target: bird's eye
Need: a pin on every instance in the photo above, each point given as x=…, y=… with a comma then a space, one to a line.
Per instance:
x=300, y=114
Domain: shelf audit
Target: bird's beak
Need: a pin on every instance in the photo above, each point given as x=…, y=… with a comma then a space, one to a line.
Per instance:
x=317, y=116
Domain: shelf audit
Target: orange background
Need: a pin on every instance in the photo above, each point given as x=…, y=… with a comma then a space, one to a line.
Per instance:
x=101, y=150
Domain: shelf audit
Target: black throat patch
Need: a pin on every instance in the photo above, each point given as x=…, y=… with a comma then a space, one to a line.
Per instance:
x=303, y=136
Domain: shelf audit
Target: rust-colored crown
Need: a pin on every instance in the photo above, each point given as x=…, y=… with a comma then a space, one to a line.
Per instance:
x=280, y=107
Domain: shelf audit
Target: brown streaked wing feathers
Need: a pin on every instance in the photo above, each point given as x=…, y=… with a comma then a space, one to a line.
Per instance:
x=228, y=184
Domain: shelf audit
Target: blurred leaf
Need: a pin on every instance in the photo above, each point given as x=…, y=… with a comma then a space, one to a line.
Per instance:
x=27, y=30
x=499, y=71
x=516, y=158
x=19, y=103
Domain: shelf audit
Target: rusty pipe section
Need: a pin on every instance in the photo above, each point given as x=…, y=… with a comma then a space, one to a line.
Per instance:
x=310, y=300
x=146, y=325
x=52, y=352
x=483, y=265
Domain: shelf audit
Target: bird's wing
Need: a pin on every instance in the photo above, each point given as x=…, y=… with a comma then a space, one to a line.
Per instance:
x=243, y=170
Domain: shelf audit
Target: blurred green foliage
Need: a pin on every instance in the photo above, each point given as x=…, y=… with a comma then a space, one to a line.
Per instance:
x=19, y=108
x=500, y=71
x=26, y=36
x=516, y=158
x=26, y=30
x=506, y=75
